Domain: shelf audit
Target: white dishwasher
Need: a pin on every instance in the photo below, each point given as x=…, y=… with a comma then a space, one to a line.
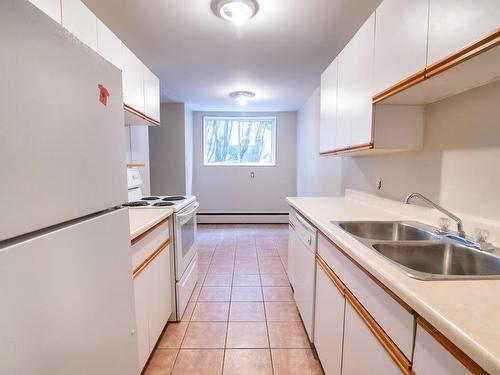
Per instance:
x=305, y=271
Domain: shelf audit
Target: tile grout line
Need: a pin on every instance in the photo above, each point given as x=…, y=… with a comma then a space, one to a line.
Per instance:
x=265, y=316
x=234, y=249
x=190, y=317
x=228, y=312
x=188, y=324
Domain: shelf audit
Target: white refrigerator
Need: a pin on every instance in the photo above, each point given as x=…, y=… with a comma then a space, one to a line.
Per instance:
x=66, y=292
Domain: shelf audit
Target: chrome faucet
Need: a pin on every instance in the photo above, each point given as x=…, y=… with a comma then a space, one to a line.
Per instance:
x=460, y=228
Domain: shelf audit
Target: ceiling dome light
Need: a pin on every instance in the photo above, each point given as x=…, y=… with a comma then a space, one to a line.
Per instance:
x=237, y=11
x=242, y=97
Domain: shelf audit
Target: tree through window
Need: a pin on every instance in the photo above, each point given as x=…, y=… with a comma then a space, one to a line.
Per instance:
x=239, y=140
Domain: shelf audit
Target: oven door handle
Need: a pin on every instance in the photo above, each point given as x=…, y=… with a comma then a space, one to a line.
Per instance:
x=183, y=215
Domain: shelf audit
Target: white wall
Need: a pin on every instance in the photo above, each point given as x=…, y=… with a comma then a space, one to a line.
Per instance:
x=168, y=151
x=316, y=176
x=137, y=150
x=228, y=189
x=188, y=134
x=458, y=167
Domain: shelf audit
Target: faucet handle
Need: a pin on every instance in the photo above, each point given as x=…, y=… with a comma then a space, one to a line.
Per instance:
x=481, y=238
x=444, y=225
x=480, y=235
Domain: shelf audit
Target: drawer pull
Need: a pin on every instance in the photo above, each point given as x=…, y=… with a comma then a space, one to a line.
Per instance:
x=141, y=267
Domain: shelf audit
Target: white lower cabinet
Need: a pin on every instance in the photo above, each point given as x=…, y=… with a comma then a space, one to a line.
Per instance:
x=363, y=354
x=160, y=293
x=360, y=327
x=394, y=319
x=152, y=288
x=141, y=292
x=430, y=357
x=329, y=323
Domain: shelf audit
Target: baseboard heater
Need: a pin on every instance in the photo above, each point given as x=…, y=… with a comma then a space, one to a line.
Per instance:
x=242, y=218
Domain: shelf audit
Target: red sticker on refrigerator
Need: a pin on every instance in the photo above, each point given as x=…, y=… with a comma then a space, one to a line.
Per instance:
x=103, y=94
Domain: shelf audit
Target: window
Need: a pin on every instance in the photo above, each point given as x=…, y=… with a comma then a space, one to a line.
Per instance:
x=239, y=140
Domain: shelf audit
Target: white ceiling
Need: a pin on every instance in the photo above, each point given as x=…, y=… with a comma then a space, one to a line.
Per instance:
x=279, y=54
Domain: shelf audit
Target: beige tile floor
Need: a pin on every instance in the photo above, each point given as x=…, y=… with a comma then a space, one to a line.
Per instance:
x=241, y=318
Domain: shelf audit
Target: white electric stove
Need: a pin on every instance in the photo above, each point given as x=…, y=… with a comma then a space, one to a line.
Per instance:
x=184, y=256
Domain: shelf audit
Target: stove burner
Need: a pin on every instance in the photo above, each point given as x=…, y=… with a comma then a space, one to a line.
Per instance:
x=135, y=204
x=163, y=204
x=150, y=198
x=174, y=198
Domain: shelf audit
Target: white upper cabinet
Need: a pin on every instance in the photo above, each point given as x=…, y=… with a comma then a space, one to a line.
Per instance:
x=80, y=21
x=109, y=46
x=354, y=109
x=151, y=94
x=328, y=112
x=400, y=41
x=133, y=80
x=453, y=24
x=50, y=7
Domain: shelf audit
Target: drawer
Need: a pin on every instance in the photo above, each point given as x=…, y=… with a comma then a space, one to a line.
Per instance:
x=397, y=321
x=149, y=241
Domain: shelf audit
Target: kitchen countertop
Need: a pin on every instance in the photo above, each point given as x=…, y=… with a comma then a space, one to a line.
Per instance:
x=141, y=219
x=467, y=312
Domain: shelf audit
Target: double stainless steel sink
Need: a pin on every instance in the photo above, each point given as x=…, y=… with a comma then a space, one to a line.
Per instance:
x=421, y=252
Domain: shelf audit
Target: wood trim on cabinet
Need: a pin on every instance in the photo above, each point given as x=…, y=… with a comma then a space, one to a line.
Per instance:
x=473, y=49
x=331, y=275
x=144, y=234
x=400, y=86
x=344, y=150
x=390, y=347
x=131, y=109
x=137, y=271
x=374, y=279
x=463, y=358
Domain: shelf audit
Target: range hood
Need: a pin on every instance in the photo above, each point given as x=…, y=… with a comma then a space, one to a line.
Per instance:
x=134, y=117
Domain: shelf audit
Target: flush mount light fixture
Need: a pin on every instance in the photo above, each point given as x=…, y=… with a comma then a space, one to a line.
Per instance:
x=242, y=97
x=237, y=11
